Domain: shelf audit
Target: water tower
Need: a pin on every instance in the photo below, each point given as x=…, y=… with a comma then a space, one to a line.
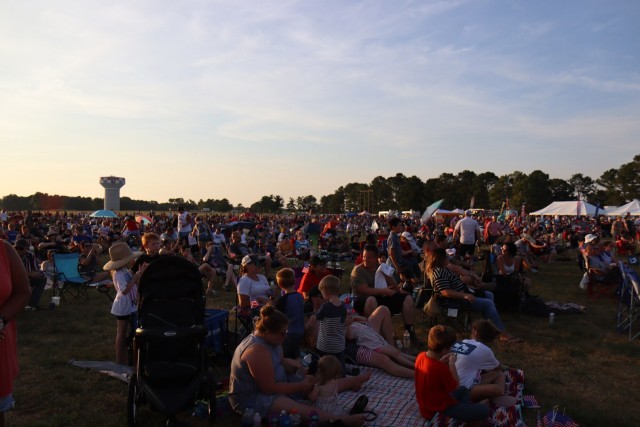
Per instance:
x=112, y=186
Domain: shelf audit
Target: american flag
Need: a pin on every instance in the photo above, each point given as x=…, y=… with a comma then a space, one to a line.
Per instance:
x=553, y=419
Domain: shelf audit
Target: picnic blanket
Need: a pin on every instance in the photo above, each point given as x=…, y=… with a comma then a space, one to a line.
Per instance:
x=112, y=369
x=394, y=402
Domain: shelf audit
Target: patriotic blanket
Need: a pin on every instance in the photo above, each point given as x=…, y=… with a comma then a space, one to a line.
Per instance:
x=393, y=400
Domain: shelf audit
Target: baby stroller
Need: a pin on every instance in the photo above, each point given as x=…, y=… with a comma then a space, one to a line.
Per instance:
x=170, y=358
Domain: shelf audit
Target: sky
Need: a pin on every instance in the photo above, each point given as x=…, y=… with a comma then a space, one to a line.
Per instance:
x=236, y=99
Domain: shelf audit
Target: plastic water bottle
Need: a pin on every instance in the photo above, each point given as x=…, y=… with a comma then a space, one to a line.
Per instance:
x=247, y=417
x=257, y=419
x=284, y=420
x=406, y=340
x=294, y=417
x=314, y=419
x=306, y=360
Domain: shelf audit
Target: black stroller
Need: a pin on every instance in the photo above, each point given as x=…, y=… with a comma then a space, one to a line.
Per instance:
x=169, y=352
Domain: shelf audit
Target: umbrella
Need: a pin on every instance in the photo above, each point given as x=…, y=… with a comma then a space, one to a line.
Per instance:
x=430, y=210
x=143, y=219
x=104, y=213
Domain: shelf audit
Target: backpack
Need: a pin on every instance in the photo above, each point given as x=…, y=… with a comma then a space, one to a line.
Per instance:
x=533, y=305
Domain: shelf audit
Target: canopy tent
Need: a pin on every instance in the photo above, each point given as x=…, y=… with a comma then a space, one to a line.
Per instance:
x=104, y=213
x=570, y=208
x=633, y=208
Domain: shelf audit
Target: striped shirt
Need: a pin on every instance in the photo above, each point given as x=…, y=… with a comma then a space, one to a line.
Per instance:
x=331, y=319
x=444, y=279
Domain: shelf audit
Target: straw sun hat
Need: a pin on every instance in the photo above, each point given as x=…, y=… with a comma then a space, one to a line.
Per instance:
x=120, y=254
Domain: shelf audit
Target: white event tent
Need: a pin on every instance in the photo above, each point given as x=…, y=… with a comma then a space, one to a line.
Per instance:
x=633, y=207
x=570, y=208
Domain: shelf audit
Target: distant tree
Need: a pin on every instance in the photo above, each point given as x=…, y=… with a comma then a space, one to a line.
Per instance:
x=583, y=186
x=382, y=194
x=268, y=204
x=353, y=196
x=291, y=205
x=537, y=194
x=560, y=190
x=629, y=179
x=333, y=203
x=411, y=195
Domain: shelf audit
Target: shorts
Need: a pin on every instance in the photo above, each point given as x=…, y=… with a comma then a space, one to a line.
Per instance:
x=358, y=353
x=6, y=403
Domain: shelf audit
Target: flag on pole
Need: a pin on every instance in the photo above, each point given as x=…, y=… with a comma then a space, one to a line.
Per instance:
x=472, y=202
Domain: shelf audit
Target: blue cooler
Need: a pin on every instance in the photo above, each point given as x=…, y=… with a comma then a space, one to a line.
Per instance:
x=216, y=322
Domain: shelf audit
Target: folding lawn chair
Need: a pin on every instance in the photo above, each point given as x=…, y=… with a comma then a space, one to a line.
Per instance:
x=604, y=288
x=629, y=304
x=67, y=278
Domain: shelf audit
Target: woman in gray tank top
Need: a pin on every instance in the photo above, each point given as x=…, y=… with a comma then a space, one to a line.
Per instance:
x=263, y=379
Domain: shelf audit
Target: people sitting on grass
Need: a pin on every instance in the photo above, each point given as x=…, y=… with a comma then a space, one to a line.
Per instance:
x=370, y=343
x=479, y=370
x=448, y=285
x=37, y=279
x=253, y=288
x=205, y=269
x=332, y=320
x=368, y=297
x=309, y=284
x=291, y=304
x=437, y=384
x=263, y=379
x=214, y=257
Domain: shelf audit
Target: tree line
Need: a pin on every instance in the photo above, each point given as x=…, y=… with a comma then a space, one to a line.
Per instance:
x=464, y=189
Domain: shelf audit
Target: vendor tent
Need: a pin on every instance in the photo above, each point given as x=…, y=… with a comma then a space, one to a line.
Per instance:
x=633, y=208
x=570, y=208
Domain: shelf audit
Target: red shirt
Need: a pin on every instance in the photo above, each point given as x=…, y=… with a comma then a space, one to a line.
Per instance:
x=310, y=280
x=434, y=384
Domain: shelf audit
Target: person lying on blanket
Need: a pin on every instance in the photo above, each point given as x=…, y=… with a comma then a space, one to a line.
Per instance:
x=478, y=368
x=437, y=384
x=277, y=386
x=370, y=343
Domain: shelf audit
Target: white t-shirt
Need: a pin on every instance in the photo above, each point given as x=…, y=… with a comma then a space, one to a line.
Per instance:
x=254, y=289
x=480, y=358
x=467, y=228
x=183, y=225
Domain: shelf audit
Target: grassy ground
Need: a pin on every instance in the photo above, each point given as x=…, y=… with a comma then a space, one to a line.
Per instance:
x=579, y=363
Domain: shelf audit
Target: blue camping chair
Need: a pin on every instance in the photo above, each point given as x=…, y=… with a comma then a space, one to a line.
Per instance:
x=67, y=278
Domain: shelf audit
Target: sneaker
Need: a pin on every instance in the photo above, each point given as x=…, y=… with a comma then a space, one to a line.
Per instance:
x=30, y=308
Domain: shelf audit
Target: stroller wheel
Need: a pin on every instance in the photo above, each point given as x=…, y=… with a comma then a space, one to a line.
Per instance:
x=132, y=401
x=211, y=391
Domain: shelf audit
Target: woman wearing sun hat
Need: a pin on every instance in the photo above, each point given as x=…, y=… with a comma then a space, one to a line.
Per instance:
x=126, y=285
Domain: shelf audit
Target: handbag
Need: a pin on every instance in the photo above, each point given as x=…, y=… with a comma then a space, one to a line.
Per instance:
x=431, y=308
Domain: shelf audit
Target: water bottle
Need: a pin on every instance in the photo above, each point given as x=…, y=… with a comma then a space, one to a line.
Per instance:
x=247, y=417
x=314, y=419
x=406, y=340
x=284, y=420
x=306, y=360
x=257, y=419
x=294, y=417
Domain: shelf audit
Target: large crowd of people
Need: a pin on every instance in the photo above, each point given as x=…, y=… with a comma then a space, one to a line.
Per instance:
x=254, y=253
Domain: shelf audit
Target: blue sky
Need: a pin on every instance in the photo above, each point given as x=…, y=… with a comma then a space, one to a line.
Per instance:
x=238, y=99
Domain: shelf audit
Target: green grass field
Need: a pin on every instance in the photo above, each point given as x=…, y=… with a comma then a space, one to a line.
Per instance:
x=579, y=363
